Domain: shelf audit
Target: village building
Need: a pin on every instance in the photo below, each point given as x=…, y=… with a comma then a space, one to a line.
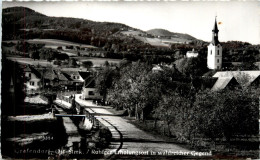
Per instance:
x=191, y=54
x=231, y=79
x=89, y=90
x=214, y=58
x=33, y=78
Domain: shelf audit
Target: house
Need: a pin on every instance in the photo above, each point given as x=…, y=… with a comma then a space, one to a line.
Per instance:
x=89, y=90
x=56, y=78
x=243, y=78
x=33, y=78
x=192, y=53
x=77, y=78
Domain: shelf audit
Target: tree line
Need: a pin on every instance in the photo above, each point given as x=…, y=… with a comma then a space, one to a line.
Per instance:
x=184, y=108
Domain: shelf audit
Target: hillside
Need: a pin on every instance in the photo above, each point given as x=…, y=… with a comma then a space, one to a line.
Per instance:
x=166, y=33
x=17, y=18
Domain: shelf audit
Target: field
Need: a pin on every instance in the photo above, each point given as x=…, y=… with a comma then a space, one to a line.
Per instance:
x=162, y=42
x=30, y=61
x=98, y=61
x=54, y=43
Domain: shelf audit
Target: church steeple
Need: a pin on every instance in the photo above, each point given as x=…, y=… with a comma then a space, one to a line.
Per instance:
x=215, y=33
x=214, y=59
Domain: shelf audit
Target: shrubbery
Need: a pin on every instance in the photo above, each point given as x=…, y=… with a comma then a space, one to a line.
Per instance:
x=184, y=110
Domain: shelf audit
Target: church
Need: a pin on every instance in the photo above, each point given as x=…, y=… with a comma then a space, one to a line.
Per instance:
x=227, y=79
x=214, y=58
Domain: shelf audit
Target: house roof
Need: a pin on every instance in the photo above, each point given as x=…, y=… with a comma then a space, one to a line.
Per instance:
x=90, y=82
x=222, y=82
x=34, y=71
x=193, y=51
x=250, y=76
x=85, y=75
x=26, y=68
x=61, y=76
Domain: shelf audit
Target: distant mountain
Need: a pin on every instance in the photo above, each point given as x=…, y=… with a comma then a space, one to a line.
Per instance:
x=166, y=33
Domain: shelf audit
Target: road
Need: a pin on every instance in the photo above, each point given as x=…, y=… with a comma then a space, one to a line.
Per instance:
x=127, y=138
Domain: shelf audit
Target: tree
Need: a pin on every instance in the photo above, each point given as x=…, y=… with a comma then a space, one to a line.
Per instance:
x=172, y=109
x=105, y=80
x=34, y=55
x=226, y=113
x=72, y=62
x=192, y=66
x=87, y=64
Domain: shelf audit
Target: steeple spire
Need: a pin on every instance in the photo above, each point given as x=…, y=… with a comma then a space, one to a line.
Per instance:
x=215, y=33
x=215, y=28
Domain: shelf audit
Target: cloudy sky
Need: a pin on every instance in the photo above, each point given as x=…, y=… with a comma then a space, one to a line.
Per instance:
x=240, y=19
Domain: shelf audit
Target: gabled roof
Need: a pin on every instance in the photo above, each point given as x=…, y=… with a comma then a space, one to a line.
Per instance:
x=90, y=82
x=222, y=83
x=66, y=75
x=35, y=72
x=61, y=76
x=250, y=76
x=26, y=68
x=85, y=75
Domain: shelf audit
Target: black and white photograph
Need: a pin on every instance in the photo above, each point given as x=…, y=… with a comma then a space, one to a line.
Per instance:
x=127, y=79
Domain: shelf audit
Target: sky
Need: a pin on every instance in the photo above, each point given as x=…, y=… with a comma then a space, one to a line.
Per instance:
x=240, y=19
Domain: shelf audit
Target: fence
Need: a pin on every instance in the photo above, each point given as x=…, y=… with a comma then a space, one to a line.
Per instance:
x=82, y=110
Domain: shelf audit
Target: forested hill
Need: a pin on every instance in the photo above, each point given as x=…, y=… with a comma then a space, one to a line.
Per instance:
x=17, y=18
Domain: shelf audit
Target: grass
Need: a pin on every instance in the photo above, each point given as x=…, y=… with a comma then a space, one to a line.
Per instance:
x=236, y=149
x=54, y=42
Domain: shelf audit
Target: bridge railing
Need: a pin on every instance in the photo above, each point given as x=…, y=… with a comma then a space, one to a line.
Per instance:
x=91, y=117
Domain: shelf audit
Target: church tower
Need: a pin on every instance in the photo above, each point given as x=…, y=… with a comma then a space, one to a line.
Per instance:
x=214, y=59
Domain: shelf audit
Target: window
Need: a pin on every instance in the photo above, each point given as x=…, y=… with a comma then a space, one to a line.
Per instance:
x=30, y=75
x=210, y=52
x=91, y=93
x=32, y=83
x=217, y=60
x=74, y=77
x=218, y=52
x=217, y=67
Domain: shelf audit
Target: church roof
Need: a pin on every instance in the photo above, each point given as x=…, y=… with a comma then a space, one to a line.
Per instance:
x=215, y=27
x=215, y=34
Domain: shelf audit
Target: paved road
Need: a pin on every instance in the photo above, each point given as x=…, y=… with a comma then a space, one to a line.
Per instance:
x=128, y=138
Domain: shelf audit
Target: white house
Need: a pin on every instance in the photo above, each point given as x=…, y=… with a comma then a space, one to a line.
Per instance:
x=33, y=79
x=89, y=90
x=192, y=53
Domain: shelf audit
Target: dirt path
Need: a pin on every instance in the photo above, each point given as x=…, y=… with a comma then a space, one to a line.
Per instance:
x=127, y=138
